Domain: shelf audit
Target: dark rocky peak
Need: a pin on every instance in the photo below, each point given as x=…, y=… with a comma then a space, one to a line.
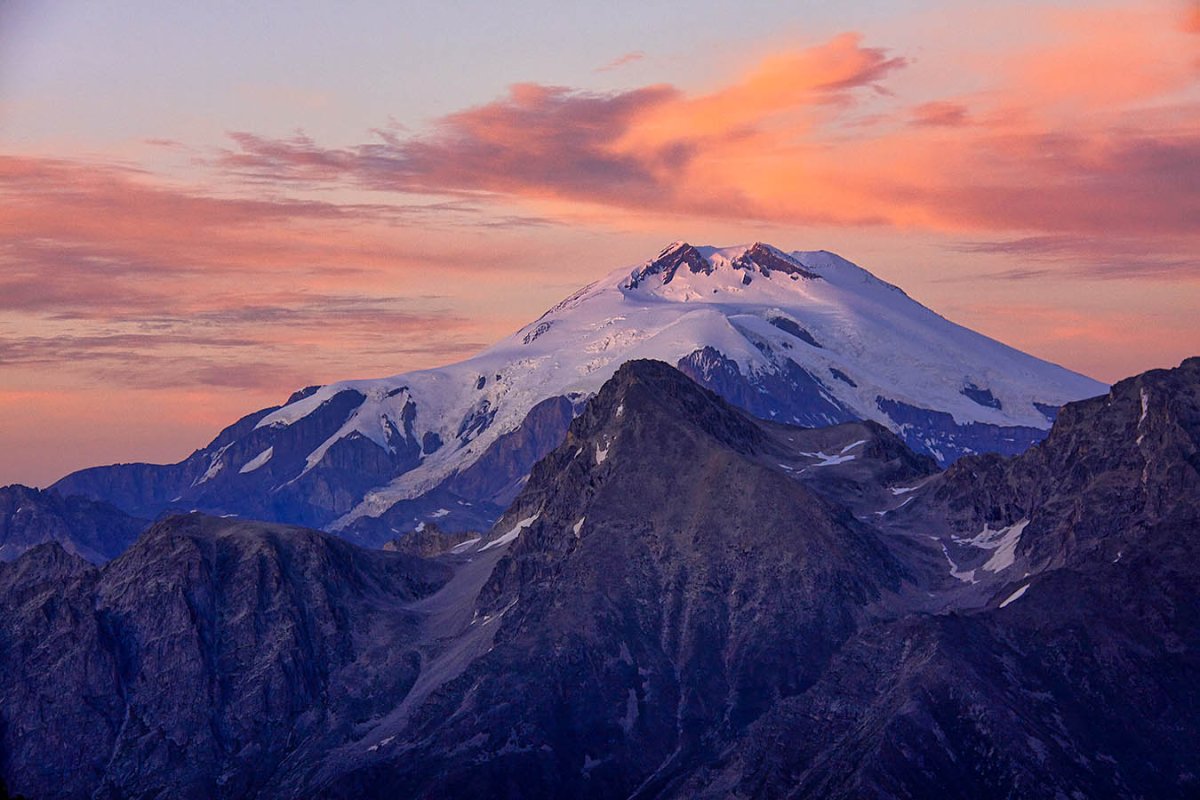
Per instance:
x=664, y=582
x=300, y=394
x=646, y=393
x=95, y=531
x=1149, y=423
x=218, y=550
x=1112, y=467
x=47, y=563
x=430, y=541
x=647, y=412
x=767, y=259
x=669, y=261
x=201, y=662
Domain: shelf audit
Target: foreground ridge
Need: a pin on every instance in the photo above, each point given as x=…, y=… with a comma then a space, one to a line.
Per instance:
x=682, y=601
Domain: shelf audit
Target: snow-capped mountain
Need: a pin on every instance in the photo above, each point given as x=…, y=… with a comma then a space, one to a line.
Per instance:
x=804, y=338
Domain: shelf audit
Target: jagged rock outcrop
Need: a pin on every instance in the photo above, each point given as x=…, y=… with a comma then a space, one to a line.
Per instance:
x=202, y=661
x=93, y=530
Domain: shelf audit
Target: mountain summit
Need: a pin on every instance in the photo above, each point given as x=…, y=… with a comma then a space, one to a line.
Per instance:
x=806, y=338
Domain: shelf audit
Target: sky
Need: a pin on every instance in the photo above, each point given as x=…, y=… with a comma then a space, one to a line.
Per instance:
x=205, y=206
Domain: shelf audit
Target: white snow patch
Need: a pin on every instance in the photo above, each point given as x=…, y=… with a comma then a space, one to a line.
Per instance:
x=458, y=548
x=1145, y=412
x=631, y=711
x=257, y=461
x=215, y=466
x=853, y=445
x=1015, y=596
x=578, y=526
x=828, y=460
x=904, y=489
x=1004, y=541
x=383, y=743
x=512, y=534
x=485, y=620
x=601, y=454
x=955, y=572
x=441, y=512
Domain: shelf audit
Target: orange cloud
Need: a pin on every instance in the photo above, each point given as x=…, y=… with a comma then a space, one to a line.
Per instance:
x=622, y=60
x=945, y=113
x=785, y=142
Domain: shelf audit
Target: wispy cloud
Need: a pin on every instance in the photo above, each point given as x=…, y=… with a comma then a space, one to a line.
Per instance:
x=114, y=277
x=622, y=60
x=941, y=113
x=1093, y=257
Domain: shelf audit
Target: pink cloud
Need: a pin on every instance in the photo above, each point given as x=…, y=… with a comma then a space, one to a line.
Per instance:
x=781, y=143
x=942, y=113
x=622, y=60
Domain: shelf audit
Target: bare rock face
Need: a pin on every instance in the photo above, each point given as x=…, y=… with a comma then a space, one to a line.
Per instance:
x=200, y=661
x=1075, y=676
x=95, y=531
x=669, y=584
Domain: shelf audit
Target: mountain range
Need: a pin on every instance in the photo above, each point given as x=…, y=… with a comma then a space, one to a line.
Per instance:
x=682, y=600
x=805, y=338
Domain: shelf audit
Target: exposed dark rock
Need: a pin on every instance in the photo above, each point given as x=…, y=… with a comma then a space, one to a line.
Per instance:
x=499, y=473
x=936, y=433
x=841, y=376
x=430, y=541
x=668, y=263
x=983, y=396
x=476, y=420
x=670, y=585
x=1048, y=410
x=767, y=259
x=200, y=662
x=1076, y=679
x=791, y=395
x=538, y=330
x=94, y=531
x=791, y=327
x=473, y=499
x=300, y=394
x=450, y=511
x=430, y=443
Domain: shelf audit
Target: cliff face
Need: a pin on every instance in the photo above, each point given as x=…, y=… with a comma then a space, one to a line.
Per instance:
x=199, y=661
